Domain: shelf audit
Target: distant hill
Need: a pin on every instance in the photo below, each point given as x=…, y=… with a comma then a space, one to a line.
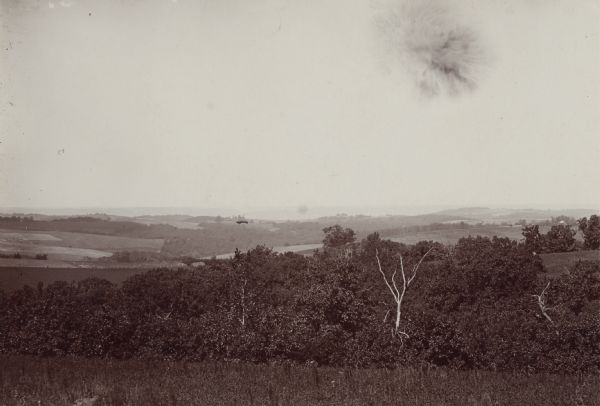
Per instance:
x=498, y=215
x=204, y=235
x=369, y=224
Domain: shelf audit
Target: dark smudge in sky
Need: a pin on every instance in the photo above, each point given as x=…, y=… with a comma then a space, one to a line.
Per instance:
x=443, y=55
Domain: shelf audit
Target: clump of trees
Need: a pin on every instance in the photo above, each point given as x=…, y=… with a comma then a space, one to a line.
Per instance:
x=560, y=238
x=18, y=255
x=337, y=237
x=472, y=305
x=591, y=231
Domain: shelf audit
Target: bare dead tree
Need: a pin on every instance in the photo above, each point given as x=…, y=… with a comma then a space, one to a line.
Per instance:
x=243, y=303
x=541, y=301
x=240, y=280
x=398, y=294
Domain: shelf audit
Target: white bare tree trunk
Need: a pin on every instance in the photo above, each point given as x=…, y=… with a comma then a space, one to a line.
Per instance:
x=397, y=293
x=542, y=304
x=243, y=302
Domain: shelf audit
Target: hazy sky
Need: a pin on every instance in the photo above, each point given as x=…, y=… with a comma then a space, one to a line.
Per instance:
x=292, y=102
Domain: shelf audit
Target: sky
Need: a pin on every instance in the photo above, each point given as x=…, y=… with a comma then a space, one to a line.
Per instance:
x=299, y=103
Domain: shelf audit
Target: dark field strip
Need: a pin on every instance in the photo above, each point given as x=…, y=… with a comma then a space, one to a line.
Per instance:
x=559, y=263
x=61, y=381
x=12, y=278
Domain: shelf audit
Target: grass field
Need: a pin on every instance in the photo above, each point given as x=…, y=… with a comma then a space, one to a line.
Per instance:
x=559, y=263
x=304, y=249
x=69, y=246
x=451, y=236
x=38, y=381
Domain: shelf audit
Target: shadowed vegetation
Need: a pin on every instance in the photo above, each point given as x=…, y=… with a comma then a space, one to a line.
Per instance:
x=29, y=380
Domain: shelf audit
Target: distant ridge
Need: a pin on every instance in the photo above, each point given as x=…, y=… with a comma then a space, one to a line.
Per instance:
x=487, y=214
x=319, y=214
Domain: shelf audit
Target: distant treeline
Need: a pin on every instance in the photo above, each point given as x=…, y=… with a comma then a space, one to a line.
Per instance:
x=483, y=303
x=89, y=225
x=561, y=236
x=398, y=231
x=18, y=255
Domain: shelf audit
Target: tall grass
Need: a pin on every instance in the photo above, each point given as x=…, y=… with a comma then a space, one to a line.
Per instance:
x=60, y=381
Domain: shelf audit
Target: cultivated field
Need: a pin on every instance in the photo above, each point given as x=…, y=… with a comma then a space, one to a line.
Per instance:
x=70, y=246
x=304, y=249
x=451, y=236
x=39, y=381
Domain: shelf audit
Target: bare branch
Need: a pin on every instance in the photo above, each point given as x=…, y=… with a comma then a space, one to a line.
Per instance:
x=416, y=267
x=384, y=277
x=167, y=315
x=397, y=293
x=394, y=278
x=542, y=303
x=243, y=297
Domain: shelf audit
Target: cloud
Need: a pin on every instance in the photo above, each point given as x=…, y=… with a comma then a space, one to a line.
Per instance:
x=440, y=51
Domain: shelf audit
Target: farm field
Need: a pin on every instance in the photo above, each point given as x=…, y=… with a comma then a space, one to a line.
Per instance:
x=62, y=381
x=451, y=236
x=305, y=249
x=12, y=278
x=559, y=263
x=444, y=236
x=70, y=246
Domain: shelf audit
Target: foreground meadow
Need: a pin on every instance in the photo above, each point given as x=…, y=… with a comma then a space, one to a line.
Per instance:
x=62, y=381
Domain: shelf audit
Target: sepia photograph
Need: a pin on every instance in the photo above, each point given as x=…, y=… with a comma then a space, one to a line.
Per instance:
x=296, y=202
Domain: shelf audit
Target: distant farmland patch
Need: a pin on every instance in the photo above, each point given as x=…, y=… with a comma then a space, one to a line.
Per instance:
x=452, y=235
x=298, y=249
x=107, y=242
x=70, y=246
x=26, y=236
x=559, y=263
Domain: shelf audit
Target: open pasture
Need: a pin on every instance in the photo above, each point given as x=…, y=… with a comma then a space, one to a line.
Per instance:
x=451, y=236
x=26, y=236
x=69, y=246
x=39, y=381
x=108, y=242
x=53, y=252
x=304, y=249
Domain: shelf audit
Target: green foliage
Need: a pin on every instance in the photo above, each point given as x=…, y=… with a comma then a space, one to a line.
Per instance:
x=591, y=231
x=336, y=236
x=534, y=241
x=469, y=307
x=560, y=238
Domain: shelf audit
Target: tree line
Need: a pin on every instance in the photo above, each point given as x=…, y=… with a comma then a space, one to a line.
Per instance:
x=482, y=303
x=561, y=236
